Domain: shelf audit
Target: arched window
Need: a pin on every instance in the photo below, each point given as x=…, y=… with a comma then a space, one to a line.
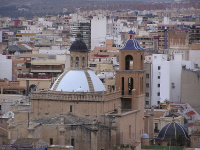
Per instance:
x=83, y=62
x=130, y=85
x=129, y=62
x=77, y=62
x=71, y=61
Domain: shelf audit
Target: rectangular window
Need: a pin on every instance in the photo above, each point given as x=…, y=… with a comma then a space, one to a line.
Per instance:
x=129, y=131
x=51, y=141
x=147, y=102
x=122, y=85
x=147, y=75
x=147, y=85
x=70, y=108
x=83, y=62
x=72, y=142
x=147, y=94
x=71, y=61
x=158, y=85
x=158, y=102
x=158, y=94
x=156, y=128
x=158, y=67
x=158, y=77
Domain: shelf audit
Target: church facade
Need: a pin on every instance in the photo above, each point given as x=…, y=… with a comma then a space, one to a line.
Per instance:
x=78, y=110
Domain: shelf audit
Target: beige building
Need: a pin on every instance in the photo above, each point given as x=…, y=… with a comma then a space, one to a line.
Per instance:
x=147, y=85
x=78, y=111
x=194, y=53
x=195, y=135
x=190, y=87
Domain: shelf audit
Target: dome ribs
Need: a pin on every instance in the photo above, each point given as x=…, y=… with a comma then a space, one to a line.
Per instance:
x=91, y=87
x=59, y=79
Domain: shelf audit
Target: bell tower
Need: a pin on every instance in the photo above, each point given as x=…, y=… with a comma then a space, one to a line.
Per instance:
x=130, y=76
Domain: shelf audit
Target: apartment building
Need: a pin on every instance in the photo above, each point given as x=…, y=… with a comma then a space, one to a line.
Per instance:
x=166, y=78
x=82, y=30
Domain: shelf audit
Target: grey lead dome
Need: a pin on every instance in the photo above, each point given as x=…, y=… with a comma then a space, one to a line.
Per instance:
x=78, y=45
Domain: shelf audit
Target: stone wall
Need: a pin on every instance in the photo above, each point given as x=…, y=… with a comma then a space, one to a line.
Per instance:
x=89, y=104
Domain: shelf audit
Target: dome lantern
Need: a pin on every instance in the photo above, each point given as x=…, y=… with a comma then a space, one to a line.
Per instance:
x=79, y=55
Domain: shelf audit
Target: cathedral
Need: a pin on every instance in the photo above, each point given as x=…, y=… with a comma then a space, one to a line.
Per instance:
x=78, y=111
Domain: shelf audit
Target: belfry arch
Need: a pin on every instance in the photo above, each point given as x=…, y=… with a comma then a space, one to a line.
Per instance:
x=129, y=62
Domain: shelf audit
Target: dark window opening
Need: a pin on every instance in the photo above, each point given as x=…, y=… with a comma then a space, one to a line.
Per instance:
x=71, y=61
x=156, y=128
x=130, y=85
x=51, y=141
x=72, y=142
x=83, y=62
x=129, y=62
x=147, y=94
x=70, y=108
x=147, y=85
x=147, y=75
x=77, y=62
x=122, y=85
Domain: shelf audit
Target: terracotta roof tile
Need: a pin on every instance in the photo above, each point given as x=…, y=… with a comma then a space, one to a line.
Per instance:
x=190, y=113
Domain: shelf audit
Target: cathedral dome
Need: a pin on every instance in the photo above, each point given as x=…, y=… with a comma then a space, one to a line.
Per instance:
x=171, y=131
x=145, y=136
x=78, y=81
x=78, y=45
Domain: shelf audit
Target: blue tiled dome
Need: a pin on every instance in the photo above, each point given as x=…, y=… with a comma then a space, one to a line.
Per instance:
x=172, y=130
x=131, y=32
x=78, y=45
x=131, y=44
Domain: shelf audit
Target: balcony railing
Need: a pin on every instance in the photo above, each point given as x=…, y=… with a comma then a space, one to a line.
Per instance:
x=34, y=76
x=156, y=131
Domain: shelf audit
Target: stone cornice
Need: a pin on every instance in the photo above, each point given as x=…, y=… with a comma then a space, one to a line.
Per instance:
x=75, y=96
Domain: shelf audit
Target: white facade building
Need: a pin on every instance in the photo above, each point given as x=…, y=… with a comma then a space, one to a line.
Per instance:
x=44, y=23
x=5, y=67
x=103, y=28
x=166, y=78
x=98, y=30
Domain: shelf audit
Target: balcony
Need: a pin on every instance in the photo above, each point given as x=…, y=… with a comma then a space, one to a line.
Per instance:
x=37, y=76
x=47, y=70
x=156, y=131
